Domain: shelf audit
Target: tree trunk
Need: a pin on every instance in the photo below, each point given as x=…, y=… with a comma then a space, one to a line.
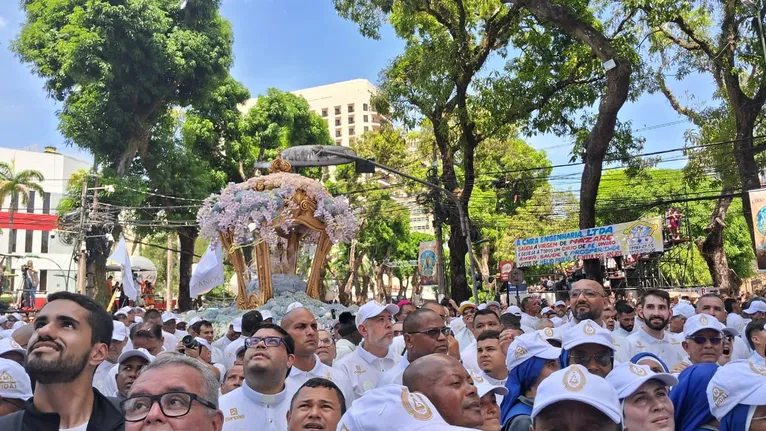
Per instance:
x=712, y=250
x=485, y=268
x=746, y=165
x=354, y=261
x=186, y=236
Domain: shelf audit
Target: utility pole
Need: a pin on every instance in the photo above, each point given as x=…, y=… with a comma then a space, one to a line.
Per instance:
x=169, y=274
x=82, y=262
x=90, y=283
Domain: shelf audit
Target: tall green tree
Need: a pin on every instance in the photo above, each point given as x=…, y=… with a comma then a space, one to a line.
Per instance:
x=17, y=185
x=118, y=67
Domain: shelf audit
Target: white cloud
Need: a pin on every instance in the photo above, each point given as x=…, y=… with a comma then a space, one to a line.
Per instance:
x=3, y=23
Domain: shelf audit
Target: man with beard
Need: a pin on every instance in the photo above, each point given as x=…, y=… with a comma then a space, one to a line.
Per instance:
x=444, y=381
x=625, y=319
x=587, y=301
x=263, y=401
x=72, y=337
x=424, y=334
x=655, y=311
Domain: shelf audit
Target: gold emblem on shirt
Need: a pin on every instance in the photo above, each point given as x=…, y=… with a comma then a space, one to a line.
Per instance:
x=719, y=396
x=635, y=369
x=757, y=369
x=344, y=428
x=415, y=405
x=588, y=329
x=359, y=370
x=519, y=352
x=574, y=379
x=233, y=412
x=639, y=344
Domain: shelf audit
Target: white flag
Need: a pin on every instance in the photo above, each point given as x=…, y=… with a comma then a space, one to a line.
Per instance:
x=121, y=256
x=208, y=273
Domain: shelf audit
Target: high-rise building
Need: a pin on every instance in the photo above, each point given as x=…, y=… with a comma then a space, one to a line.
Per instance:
x=34, y=224
x=344, y=105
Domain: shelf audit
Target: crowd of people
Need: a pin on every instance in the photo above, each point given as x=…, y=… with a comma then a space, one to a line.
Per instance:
x=587, y=363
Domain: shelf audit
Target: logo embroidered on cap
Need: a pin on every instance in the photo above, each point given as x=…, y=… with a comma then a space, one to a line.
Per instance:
x=574, y=380
x=519, y=352
x=15, y=345
x=719, y=396
x=415, y=405
x=635, y=369
x=548, y=332
x=7, y=381
x=703, y=320
x=588, y=329
x=477, y=378
x=757, y=369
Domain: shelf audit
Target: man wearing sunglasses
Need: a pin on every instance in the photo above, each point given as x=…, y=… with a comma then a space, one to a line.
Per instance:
x=703, y=341
x=173, y=392
x=424, y=334
x=263, y=400
x=589, y=345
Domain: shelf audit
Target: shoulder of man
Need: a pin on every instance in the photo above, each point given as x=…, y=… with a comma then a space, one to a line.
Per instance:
x=12, y=422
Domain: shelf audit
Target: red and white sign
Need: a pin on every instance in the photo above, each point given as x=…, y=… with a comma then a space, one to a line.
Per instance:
x=505, y=268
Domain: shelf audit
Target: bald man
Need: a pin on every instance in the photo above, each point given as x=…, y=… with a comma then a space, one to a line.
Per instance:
x=454, y=346
x=302, y=326
x=424, y=333
x=444, y=381
x=587, y=300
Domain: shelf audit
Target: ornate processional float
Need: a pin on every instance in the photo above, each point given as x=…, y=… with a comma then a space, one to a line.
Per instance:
x=274, y=216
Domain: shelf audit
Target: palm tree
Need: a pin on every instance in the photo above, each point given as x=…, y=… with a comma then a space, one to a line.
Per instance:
x=17, y=184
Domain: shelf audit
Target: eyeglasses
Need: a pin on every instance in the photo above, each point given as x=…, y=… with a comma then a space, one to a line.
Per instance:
x=325, y=342
x=589, y=294
x=702, y=340
x=172, y=404
x=434, y=332
x=267, y=341
x=469, y=310
x=602, y=360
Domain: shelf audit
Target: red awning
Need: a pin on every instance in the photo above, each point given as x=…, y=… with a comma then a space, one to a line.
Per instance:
x=27, y=221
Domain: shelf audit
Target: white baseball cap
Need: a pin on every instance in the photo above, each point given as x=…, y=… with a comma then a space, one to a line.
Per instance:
x=135, y=353
x=17, y=316
x=139, y=319
x=393, y=407
x=14, y=381
x=194, y=320
x=587, y=332
x=513, y=309
x=18, y=324
x=575, y=383
x=483, y=387
x=121, y=311
x=527, y=346
x=546, y=310
x=143, y=310
x=549, y=334
x=166, y=317
x=495, y=303
x=291, y=307
x=119, y=332
x=10, y=345
x=266, y=314
x=372, y=309
x=3, y=319
x=237, y=324
x=628, y=377
x=482, y=306
x=738, y=382
x=756, y=307
x=684, y=309
x=699, y=322
x=559, y=304
x=557, y=321
x=464, y=305
x=204, y=342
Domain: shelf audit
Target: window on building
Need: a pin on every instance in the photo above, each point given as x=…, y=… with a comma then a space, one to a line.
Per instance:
x=351, y=131
x=43, y=280
x=324, y=112
x=337, y=121
x=351, y=108
x=366, y=129
x=365, y=108
x=350, y=119
x=338, y=134
x=337, y=110
x=365, y=118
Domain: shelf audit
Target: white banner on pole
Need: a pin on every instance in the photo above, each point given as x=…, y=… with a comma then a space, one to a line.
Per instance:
x=208, y=273
x=121, y=256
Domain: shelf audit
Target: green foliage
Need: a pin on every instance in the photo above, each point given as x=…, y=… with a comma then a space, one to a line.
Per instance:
x=119, y=66
x=18, y=184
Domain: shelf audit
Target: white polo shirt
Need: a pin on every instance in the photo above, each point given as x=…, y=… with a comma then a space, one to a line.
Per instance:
x=100, y=376
x=222, y=343
x=619, y=332
x=364, y=369
x=758, y=359
x=735, y=321
x=470, y=358
x=394, y=375
x=462, y=334
x=298, y=377
x=529, y=323
x=668, y=349
x=244, y=409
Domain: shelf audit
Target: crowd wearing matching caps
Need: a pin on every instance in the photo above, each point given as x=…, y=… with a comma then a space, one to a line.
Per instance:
x=468, y=366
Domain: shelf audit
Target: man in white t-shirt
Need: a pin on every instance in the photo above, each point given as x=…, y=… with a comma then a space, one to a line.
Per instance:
x=652, y=337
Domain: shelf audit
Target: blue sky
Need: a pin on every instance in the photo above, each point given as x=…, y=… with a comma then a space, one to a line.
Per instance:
x=290, y=44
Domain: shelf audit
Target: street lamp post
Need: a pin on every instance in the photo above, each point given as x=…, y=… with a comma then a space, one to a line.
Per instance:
x=346, y=153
